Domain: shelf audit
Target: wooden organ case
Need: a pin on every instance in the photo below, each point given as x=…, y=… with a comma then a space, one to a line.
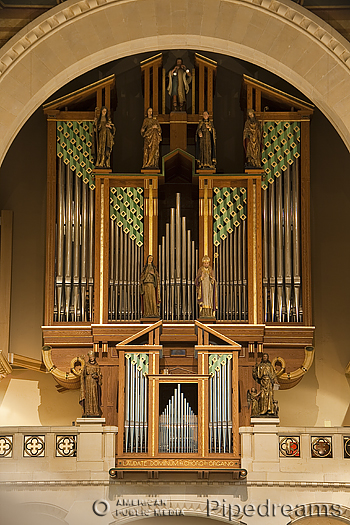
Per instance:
x=176, y=386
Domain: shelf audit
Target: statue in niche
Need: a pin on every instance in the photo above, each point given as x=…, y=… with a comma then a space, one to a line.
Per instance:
x=206, y=289
x=103, y=138
x=178, y=86
x=206, y=143
x=253, y=402
x=264, y=374
x=150, y=289
x=252, y=137
x=90, y=387
x=152, y=136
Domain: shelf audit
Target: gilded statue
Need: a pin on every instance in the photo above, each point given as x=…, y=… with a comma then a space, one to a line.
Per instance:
x=206, y=143
x=206, y=289
x=252, y=137
x=150, y=289
x=264, y=374
x=178, y=85
x=90, y=387
x=152, y=136
x=103, y=138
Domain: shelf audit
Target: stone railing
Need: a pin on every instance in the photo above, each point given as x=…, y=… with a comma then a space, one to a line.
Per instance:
x=82, y=452
x=298, y=455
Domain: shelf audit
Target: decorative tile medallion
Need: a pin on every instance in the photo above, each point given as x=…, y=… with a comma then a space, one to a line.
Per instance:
x=346, y=447
x=66, y=446
x=34, y=446
x=289, y=447
x=6, y=446
x=321, y=447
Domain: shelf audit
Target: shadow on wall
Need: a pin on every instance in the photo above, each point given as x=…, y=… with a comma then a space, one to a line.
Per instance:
x=298, y=405
x=346, y=422
x=31, y=398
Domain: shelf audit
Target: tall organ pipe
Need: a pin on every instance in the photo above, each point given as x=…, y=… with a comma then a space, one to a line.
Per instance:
x=60, y=238
x=281, y=248
x=177, y=267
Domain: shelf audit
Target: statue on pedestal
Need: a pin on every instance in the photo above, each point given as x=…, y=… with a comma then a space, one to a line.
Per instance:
x=103, y=138
x=90, y=387
x=252, y=136
x=206, y=143
x=178, y=86
x=206, y=289
x=150, y=289
x=152, y=136
x=264, y=374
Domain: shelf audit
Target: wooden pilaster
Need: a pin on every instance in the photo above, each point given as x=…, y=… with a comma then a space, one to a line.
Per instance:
x=305, y=222
x=50, y=222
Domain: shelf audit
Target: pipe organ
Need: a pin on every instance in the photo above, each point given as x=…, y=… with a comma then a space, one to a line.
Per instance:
x=176, y=384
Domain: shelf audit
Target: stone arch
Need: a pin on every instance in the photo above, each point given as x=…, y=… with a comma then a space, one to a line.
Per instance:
x=76, y=36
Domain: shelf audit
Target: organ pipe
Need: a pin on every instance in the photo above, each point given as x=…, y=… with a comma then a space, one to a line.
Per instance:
x=177, y=268
x=220, y=417
x=178, y=426
x=136, y=414
x=281, y=248
x=74, y=248
x=231, y=275
x=125, y=266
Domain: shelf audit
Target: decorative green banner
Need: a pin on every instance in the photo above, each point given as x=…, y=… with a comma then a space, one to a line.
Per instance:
x=216, y=361
x=229, y=209
x=141, y=360
x=126, y=208
x=74, y=141
x=281, y=146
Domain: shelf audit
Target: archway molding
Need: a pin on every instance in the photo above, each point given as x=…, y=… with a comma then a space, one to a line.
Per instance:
x=77, y=36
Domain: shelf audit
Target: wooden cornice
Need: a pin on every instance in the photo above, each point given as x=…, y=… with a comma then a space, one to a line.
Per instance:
x=79, y=95
x=277, y=95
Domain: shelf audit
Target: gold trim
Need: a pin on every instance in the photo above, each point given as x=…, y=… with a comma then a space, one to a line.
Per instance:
x=150, y=218
x=181, y=463
x=102, y=251
x=153, y=412
x=108, y=80
x=5, y=367
x=205, y=218
x=255, y=304
x=203, y=418
x=143, y=62
x=255, y=82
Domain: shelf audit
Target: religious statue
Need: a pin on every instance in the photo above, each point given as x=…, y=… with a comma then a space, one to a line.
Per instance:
x=150, y=289
x=152, y=135
x=252, y=136
x=90, y=387
x=206, y=289
x=206, y=143
x=265, y=375
x=178, y=86
x=103, y=138
x=253, y=402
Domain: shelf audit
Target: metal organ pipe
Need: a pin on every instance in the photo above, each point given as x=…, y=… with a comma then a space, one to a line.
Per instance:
x=281, y=248
x=74, y=248
x=220, y=418
x=177, y=267
x=178, y=426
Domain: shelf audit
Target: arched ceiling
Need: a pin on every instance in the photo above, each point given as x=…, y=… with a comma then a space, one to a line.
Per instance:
x=77, y=36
